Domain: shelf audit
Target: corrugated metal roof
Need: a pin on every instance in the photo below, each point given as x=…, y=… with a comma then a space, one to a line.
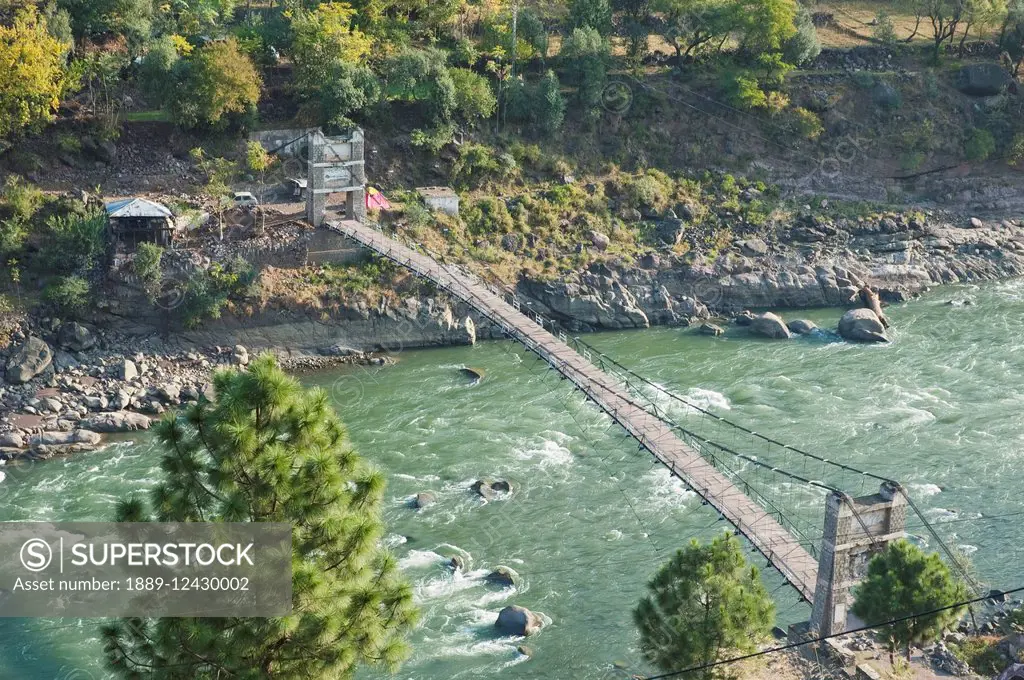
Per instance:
x=136, y=207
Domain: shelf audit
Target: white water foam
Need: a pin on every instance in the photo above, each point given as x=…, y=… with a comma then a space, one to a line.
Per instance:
x=666, y=491
x=925, y=489
x=550, y=453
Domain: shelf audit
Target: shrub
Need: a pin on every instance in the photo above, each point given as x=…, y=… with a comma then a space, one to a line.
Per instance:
x=884, y=31
x=1016, y=153
x=979, y=144
x=745, y=93
x=806, y=123
x=488, y=216
x=864, y=79
x=146, y=265
x=213, y=83
x=67, y=296
x=983, y=656
x=73, y=242
x=477, y=164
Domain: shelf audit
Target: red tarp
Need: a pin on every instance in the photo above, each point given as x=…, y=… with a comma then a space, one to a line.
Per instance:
x=375, y=200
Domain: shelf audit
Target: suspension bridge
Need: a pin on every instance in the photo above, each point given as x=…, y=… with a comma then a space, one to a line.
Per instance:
x=737, y=471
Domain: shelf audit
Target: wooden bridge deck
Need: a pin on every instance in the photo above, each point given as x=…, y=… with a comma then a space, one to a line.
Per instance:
x=796, y=565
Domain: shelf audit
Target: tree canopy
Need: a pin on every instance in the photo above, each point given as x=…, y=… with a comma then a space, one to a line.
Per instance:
x=267, y=450
x=904, y=580
x=31, y=72
x=213, y=82
x=703, y=602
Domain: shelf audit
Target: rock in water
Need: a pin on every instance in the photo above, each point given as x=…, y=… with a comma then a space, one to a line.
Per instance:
x=31, y=359
x=424, y=499
x=744, y=318
x=801, y=326
x=76, y=337
x=514, y=620
x=769, y=325
x=476, y=374
x=502, y=576
x=862, y=325
x=711, y=329
x=456, y=563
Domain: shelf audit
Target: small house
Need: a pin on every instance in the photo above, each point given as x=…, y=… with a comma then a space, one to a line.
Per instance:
x=440, y=199
x=134, y=220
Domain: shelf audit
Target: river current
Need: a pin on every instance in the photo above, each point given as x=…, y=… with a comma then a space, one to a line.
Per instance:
x=591, y=517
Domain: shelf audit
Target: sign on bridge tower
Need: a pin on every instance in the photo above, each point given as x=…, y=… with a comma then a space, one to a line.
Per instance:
x=856, y=529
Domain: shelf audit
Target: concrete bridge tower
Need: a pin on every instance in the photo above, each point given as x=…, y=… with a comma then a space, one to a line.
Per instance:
x=855, y=530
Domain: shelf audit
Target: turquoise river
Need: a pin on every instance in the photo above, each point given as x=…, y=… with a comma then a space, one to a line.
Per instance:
x=592, y=517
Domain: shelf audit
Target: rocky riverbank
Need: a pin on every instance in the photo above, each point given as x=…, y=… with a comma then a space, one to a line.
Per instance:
x=67, y=384
x=814, y=262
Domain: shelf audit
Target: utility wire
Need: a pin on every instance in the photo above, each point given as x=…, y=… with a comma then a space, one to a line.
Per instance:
x=821, y=638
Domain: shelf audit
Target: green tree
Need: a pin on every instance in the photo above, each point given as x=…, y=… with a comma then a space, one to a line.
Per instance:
x=766, y=25
x=692, y=25
x=945, y=16
x=902, y=580
x=474, y=100
x=324, y=40
x=586, y=53
x=1011, y=35
x=156, y=69
x=214, y=82
x=550, y=108
x=595, y=14
x=267, y=450
x=31, y=73
x=804, y=45
x=703, y=602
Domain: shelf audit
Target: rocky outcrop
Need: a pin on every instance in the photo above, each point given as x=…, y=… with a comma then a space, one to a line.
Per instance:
x=28, y=361
x=515, y=620
x=862, y=325
x=983, y=79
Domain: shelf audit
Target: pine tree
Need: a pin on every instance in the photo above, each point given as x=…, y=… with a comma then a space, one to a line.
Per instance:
x=266, y=450
x=551, y=104
x=703, y=602
x=903, y=580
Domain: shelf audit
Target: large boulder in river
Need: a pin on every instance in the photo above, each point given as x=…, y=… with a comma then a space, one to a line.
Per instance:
x=116, y=421
x=75, y=337
x=862, y=325
x=31, y=359
x=769, y=325
x=502, y=576
x=801, y=326
x=983, y=79
x=514, y=620
x=423, y=499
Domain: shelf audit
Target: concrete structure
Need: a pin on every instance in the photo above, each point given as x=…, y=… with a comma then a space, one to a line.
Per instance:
x=134, y=220
x=855, y=530
x=335, y=166
x=440, y=199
